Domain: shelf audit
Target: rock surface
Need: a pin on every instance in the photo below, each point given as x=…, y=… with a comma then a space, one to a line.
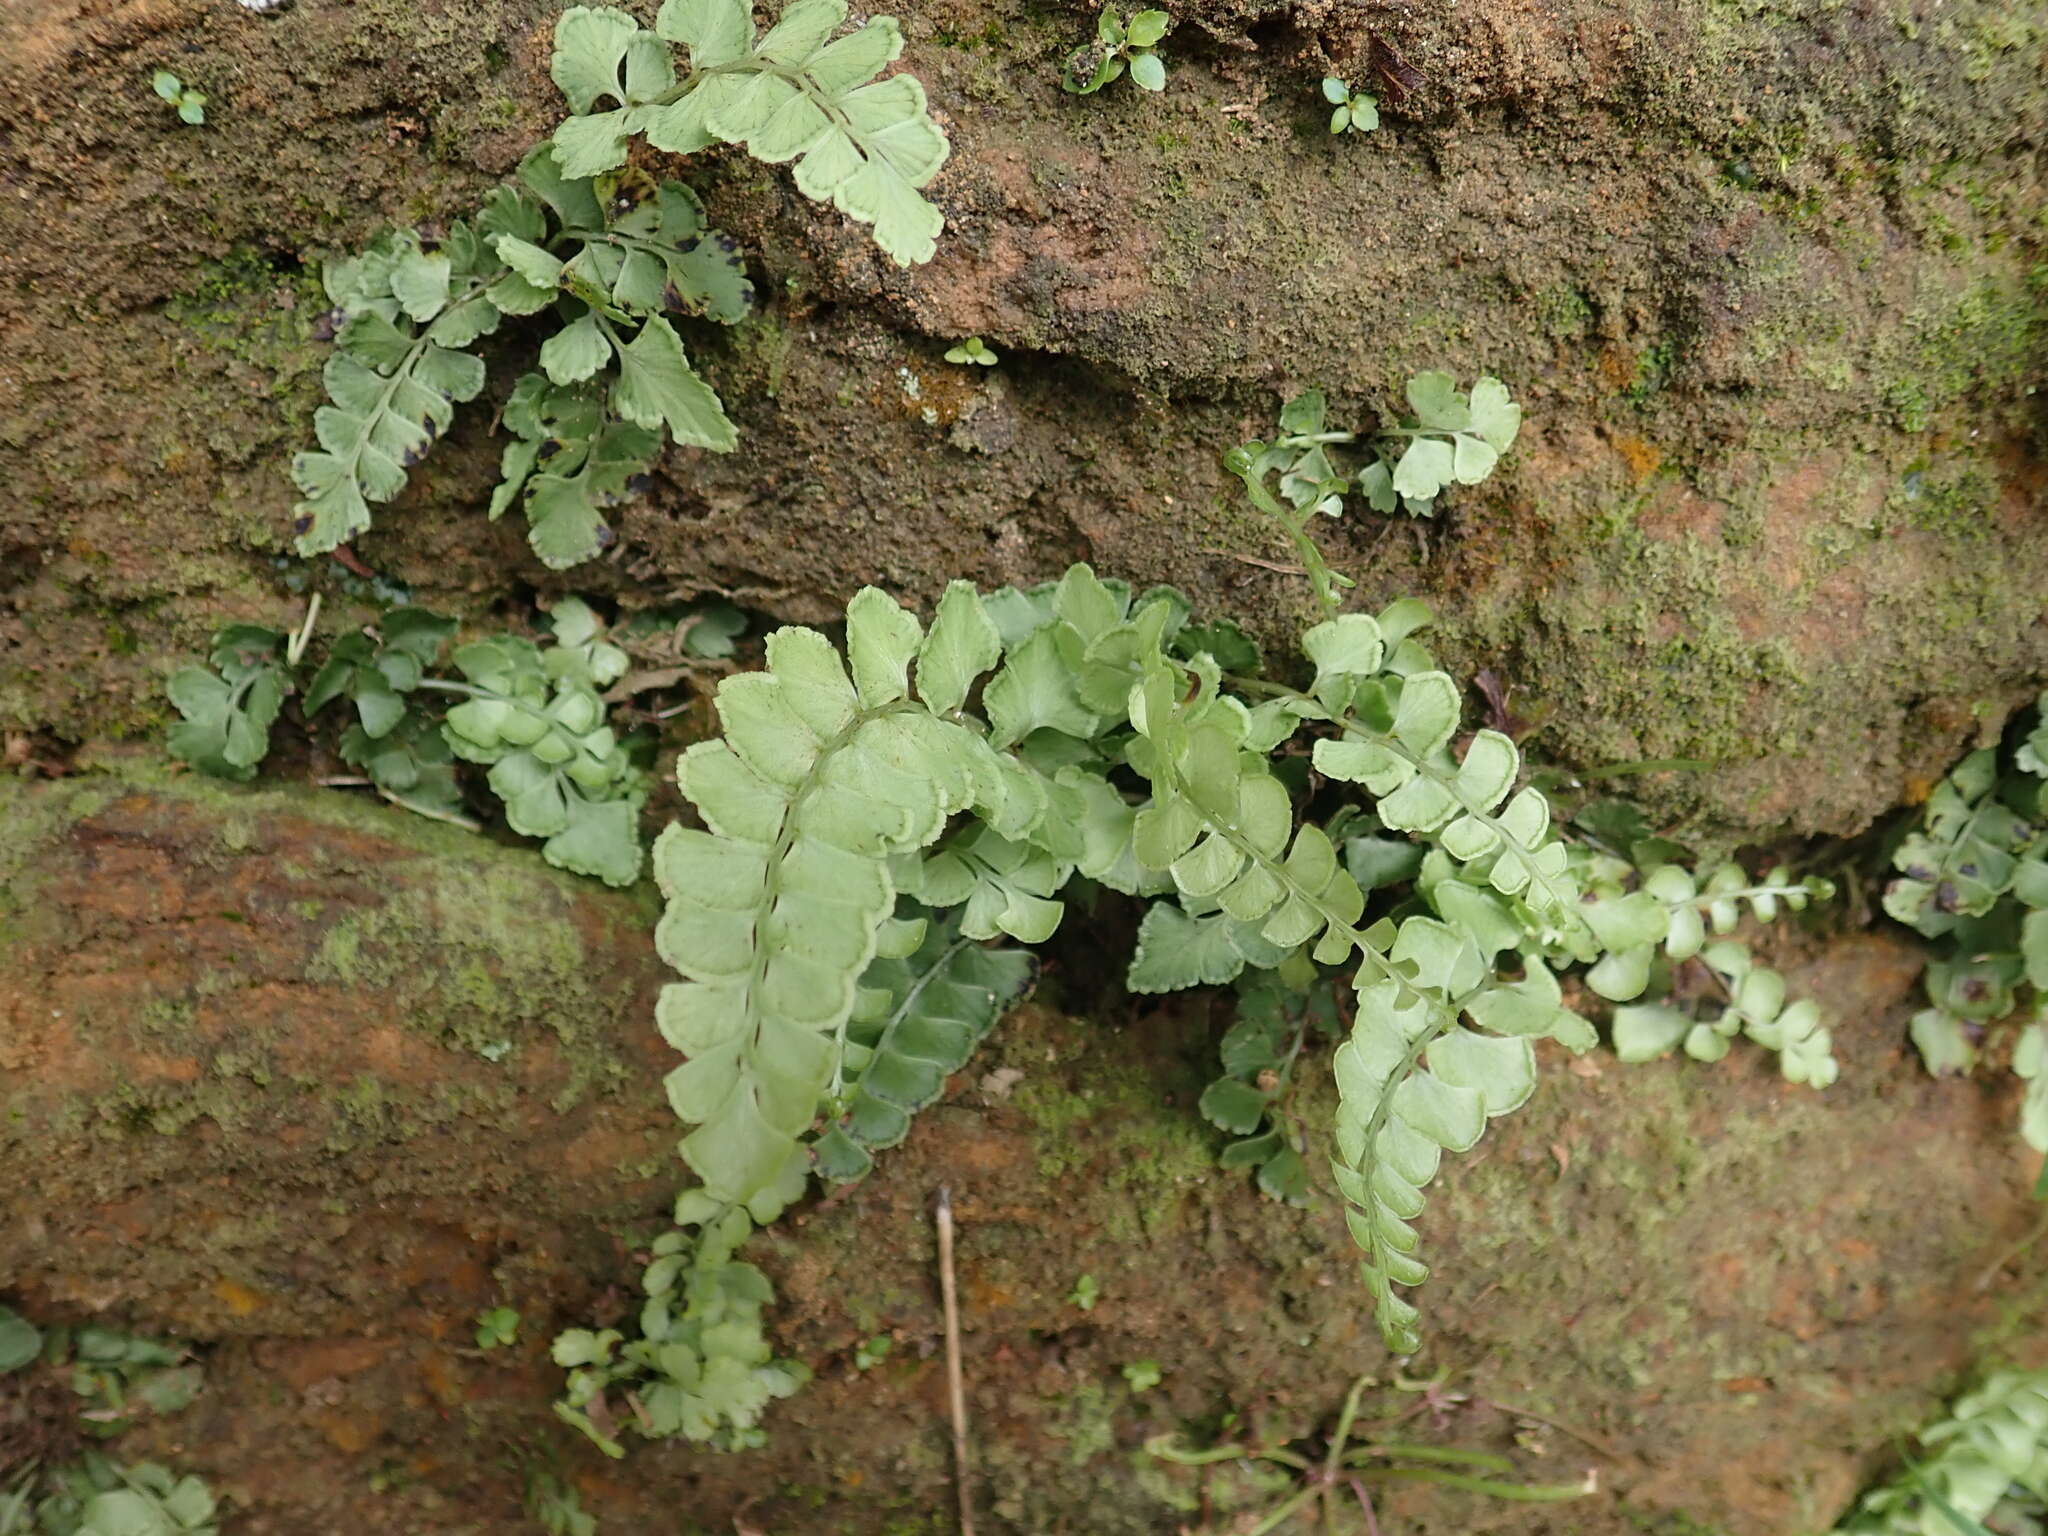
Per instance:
x=311, y=1083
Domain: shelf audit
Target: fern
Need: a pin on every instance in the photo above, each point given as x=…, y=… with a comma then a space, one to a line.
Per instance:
x=1453, y=438
x=395, y=378
x=100, y=1497
x=834, y=794
x=534, y=717
x=866, y=145
x=1973, y=879
x=774, y=910
x=228, y=711
x=607, y=261
x=1988, y=1459
x=1260, y=1052
x=702, y=1367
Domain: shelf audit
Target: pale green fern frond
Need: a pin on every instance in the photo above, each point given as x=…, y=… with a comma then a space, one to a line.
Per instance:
x=610, y=261
x=1973, y=877
x=702, y=1367
x=1990, y=1457
x=394, y=380
x=867, y=145
x=773, y=911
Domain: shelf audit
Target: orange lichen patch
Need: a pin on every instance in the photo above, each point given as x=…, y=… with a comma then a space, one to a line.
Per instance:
x=239, y=1298
x=1618, y=366
x=1642, y=458
x=984, y=1296
x=443, y=1385
x=936, y=393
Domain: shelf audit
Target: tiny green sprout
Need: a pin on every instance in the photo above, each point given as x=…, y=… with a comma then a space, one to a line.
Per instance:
x=1087, y=1291
x=872, y=1352
x=972, y=350
x=191, y=104
x=1355, y=111
x=497, y=1328
x=1118, y=46
x=1143, y=1375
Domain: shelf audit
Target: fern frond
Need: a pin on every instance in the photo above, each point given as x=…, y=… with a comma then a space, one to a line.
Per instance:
x=392, y=383
x=918, y=1019
x=559, y=769
x=1414, y=1080
x=702, y=1367
x=867, y=145
x=1397, y=730
x=1414, y=1085
x=569, y=460
x=773, y=911
x=1994, y=1446
x=1965, y=855
x=229, y=710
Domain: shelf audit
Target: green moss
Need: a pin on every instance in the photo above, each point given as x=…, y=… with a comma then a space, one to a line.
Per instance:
x=1116, y=1134
x=477, y=966
x=1949, y=496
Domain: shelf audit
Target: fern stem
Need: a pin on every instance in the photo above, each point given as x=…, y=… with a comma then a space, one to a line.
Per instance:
x=1525, y=1493
x=1284, y=1512
x=753, y=64
x=1751, y=894
x=1400, y=1450
x=1345, y=1420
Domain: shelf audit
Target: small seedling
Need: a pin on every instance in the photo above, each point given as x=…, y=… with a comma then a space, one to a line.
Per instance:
x=972, y=350
x=497, y=1328
x=1119, y=46
x=1355, y=111
x=1143, y=1375
x=191, y=104
x=1087, y=1291
x=872, y=1352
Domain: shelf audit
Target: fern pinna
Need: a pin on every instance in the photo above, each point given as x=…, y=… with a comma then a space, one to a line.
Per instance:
x=1076, y=729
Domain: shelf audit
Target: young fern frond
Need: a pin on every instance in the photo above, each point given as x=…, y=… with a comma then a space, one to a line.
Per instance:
x=702, y=1367
x=535, y=717
x=229, y=710
x=395, y=378
x=864, y=144
x=1966, y=853
x=1974, y=878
